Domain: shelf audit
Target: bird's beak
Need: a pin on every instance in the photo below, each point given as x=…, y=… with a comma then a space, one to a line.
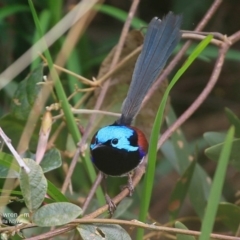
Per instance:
x=98, y=146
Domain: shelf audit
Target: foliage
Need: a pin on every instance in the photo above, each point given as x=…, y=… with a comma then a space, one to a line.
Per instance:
x=67, y=93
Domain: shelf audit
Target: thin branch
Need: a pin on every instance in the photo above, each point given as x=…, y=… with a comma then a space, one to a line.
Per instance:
x=97, y=82
x=53, y=233
x=92, y=192
x=89, y=111
x=216, y=4
x=211, y=83
x=70, y=170
x=133, y=223
x=153, y=227
x=215, y=34
x=181, y=53
x=7, y=141
x=194, y=36
x=235, y=37
x=62, y=69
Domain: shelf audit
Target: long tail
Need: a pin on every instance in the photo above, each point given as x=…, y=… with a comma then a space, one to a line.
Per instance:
x=160, y=40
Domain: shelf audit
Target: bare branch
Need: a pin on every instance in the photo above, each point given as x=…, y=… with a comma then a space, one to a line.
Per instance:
x=212, y=81
x=7, y=141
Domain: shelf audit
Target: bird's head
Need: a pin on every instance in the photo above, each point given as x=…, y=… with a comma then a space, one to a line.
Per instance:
x=115, y=136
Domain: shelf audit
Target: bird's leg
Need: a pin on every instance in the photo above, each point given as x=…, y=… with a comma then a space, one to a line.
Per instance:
x=129, y=185
x=111, y=205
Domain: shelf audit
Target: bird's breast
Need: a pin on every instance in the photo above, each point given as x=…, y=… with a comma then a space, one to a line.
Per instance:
x=115, y=162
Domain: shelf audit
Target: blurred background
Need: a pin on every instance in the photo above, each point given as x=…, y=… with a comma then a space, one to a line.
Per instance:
x=18, y=33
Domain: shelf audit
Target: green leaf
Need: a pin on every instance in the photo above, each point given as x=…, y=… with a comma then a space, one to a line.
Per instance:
x=102, y=231
x=13, y=128
x=8, y=166
x=7, y=11
x=180, y=191
x=234, y=159
x=183, y=236
x=55, y=214
x=27, y=94
x=33, y=185
x=214, y=137
x=234, y=120
x=24, y=218
x=180, y=155
x=229, y=214
x=216, y=189
x=51, y=160
x=55, y=194
x=44, y=18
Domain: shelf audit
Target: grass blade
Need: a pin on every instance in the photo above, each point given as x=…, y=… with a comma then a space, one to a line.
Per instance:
x=215, y=193
x=152, y=152
x=71, y=124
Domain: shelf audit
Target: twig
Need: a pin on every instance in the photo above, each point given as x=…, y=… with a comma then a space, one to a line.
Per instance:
x=133, y=223
x=181, y=53
x=154, y=227
x=53, y=233
x=62, y=69
x=97, y=82
x=212, y=81
x=92, y=192
x=235, y=37
x=7, y=141
x=201, y=37
x=89, y=111
x=208, y=15
x=70, y=170
x=215, y=34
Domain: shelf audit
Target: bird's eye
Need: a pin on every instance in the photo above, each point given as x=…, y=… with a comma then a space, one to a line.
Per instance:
x=114, y=141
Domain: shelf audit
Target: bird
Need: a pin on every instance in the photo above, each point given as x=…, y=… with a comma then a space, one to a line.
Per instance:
x=118, y=149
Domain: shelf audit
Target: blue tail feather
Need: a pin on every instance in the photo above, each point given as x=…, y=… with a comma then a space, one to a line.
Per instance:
x=160, y=40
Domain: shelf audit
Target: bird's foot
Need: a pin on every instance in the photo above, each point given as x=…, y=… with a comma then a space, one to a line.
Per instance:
x=111, y=205
x=129, y=186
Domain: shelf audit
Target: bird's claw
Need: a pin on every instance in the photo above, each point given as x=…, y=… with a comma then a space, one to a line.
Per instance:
x=111, y=205
x=130, y=188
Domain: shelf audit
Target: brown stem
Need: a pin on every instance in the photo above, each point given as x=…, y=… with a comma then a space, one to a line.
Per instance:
x=181, y=53
x=208, y=15
x=92, y=191
x=152, y=227
x=212, y=81
x=235, y=37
